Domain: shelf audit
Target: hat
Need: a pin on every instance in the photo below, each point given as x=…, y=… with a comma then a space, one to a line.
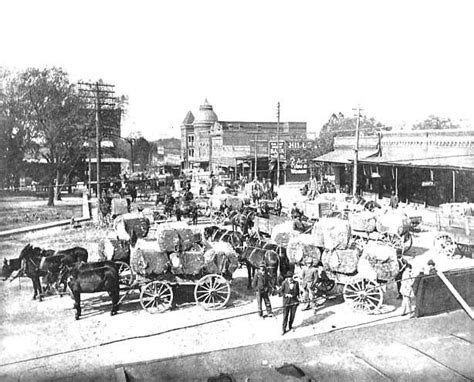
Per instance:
x=431, y=262
x=289, y=274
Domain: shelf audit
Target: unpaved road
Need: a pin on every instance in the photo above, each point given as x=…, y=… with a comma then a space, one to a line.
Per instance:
x=43, y=341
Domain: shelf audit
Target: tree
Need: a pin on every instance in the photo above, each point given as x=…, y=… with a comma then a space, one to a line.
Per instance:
x=142, y=150
x=59, y=127
x=435, y=123
x=14, y=132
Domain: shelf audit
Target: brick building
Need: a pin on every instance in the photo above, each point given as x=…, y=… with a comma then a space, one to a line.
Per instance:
x=236, y=148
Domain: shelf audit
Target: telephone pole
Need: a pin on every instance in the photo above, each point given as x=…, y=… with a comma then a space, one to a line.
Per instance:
x=98, y=95
x=356, y=152
x=278, y=145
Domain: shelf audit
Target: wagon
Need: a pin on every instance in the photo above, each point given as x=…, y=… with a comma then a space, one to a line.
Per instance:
x=455, y=225
x=211, y=291
x=157, y=271
x=265, y=225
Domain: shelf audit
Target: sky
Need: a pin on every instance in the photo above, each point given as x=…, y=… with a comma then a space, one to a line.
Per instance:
x=400, y=61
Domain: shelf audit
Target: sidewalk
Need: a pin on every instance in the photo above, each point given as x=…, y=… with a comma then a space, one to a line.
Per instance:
x=432, y=348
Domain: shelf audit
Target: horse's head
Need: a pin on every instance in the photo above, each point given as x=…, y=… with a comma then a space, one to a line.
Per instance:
x=27, y=252
x=7, y=269
x=209, y=231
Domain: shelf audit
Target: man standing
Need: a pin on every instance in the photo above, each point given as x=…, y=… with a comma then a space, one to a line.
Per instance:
x=262, y=285
x=393, y=200
x=309, y=278
x=290, y=292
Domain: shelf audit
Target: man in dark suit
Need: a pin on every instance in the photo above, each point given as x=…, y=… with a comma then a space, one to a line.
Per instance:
x=262, y=286
x=290, y=292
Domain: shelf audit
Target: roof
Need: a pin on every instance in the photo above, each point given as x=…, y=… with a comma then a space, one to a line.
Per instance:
x=189, y=119
x=344, y=156
x=442, y=158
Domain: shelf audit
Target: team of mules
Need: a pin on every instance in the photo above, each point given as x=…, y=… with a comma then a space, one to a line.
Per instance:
x=68, y=267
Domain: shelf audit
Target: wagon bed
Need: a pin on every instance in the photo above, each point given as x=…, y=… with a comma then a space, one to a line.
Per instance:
x=266, y=225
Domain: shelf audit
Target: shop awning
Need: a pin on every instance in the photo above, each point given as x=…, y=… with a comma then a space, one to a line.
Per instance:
x=435, y=158
x=344, y=156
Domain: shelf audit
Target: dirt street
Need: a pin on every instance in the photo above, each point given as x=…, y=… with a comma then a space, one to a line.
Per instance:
x=42, y=341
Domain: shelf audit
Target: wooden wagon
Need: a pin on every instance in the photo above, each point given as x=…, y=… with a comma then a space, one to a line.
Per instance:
x=265, y=225
x=455, y=225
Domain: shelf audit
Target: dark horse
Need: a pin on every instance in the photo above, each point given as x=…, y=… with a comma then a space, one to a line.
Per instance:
x=215, y=233
x=254, y=241
x=36, y=263
x=94, y=277
x=252, y=257
x=10, y=266
x=242, y=219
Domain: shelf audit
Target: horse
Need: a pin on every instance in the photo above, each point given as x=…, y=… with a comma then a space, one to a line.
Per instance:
x=215, y=233
x=91, y=278
x=37, y=262
x=10, y=266
x=252, y=257
x=242, y=219
x=284, y=263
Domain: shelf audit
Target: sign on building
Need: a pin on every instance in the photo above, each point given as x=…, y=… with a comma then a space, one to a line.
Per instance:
x=276, y=147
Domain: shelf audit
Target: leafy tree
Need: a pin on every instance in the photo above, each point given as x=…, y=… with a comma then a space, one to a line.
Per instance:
x=59, y=127
x=435, y=123
x=14, y=131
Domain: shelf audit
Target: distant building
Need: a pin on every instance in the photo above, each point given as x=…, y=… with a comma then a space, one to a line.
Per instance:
x=236, y=148
x=423, y=166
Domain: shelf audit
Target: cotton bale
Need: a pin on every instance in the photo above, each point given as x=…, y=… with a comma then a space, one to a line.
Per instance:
x=302, y=247
x=282, y=233
x=393, y=221
x=146, y=259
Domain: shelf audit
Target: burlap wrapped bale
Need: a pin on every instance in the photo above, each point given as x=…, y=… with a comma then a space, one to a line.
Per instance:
x=393, y=221
x=317, y=233
x=234, y=202
x=383, y=260
x=140, y=225
x=146, y=259
x=167, y=238
x=340, y=260
x=282, y=233
x=302, y=247
x=336, y=232
x=187, y=263
x=119, y=206
x=215, y=256
x=364, y=221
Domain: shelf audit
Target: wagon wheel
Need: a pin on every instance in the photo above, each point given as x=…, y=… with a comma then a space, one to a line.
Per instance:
x=156, y=297
x=394, y=240
x=363, y=295
x=126, y=275
x=212, y=292
x=217, y=217
x=407, y=242
x=444, y=244
x=325, y=285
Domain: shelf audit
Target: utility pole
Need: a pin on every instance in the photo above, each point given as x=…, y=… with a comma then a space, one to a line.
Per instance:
x=98, y=96
x=356, y=152
x=278, y=145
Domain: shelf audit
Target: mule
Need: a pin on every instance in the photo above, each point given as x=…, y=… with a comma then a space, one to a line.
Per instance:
x=91, y=278
x=252, y=257
x=241, y=219
x=284, y=263
x=37, y=262
x=10, y=266
x=215, y=233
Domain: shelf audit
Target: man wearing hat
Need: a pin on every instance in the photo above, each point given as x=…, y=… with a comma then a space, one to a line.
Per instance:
x=262, y=285
x=432, y=267
x=309, y=278
x=289, y=291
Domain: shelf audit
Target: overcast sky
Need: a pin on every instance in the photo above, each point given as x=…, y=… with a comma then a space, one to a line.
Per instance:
x=400, y=60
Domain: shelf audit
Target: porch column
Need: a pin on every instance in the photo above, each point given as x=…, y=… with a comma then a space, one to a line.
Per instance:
x=396, y=181
x=454, y=186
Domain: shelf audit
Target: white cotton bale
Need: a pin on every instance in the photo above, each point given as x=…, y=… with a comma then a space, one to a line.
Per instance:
x=336, y=232
x=302, y=247
x=393, y=221
x=282, y=233
x=364, y=221
x=341, y=260
x=146, y=259
x=383, y=260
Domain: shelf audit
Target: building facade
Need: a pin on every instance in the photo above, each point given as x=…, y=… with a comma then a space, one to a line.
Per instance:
x=236, y=148
x=423, y=166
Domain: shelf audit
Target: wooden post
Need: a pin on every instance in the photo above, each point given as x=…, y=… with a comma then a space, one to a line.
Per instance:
x=456, y=294
x=454, y=186
x=396, y=181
